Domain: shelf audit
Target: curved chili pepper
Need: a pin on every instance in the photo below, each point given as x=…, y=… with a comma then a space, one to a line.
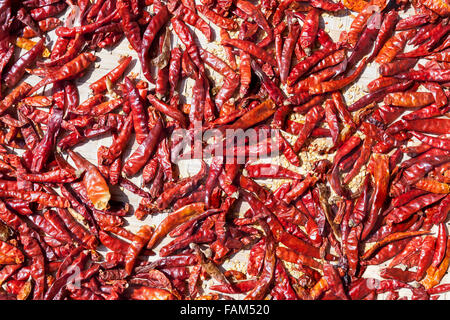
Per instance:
x=309, y=30
x=174, y=219
x=138, y=111
x=333, y=85
x=267, y=275
x=113, y=76
x=393, y=46
x=435, y=75
x=441, y=246
x=71, y=68
x=141, y=155
x=305, y=65
x=138, y=243
x=129, y=25
x=432, y=141
x=251, y=10
x=251, y=49
x=402, y=213
x=378, y=95
x=312, y=118
x=96, y=186
x=45, y=146
x=387, y=28
x=220, y=21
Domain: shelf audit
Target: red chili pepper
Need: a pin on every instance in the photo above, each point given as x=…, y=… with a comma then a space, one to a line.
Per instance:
x=441, y=246
x=68, y=70
x=309, y=30
x=141, y=155
x=113, y=76
x=96, y=186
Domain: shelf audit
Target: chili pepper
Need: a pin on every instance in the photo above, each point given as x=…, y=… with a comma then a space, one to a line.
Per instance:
x=137, y=108
x=119, y=144
x=413, y=21
x=441, y=246
x=432, y=141
x=46, y=11
x=251, y=10
x=89, y=28
x=393, y=46
x=271, y=171
x=167, y=109
x=129, y=25
x=434, y=275
x=358, y=24
x=309, y=30
x=10, y=254
x=17, y=71
x=305, y=65
x=332, y=120
x=331, y=60
x=251, y=49
x=393, y=237
x=256, y=258
x=267, y=275
x=220, y=21
x=398, y=274
x=175, y=218
x=136, y=245
x=96, y=186
x=435, y=75
x=46, y=25
x=312, y=118
x=287, y=49
x=113, y=76
x=442, y=211
x=402, y=213
x=174, y=68
x=294, y=257
x=406, y=197
x=274, y=92
x=364, y=44
x=157, y=22
x=382, y=82
x=426, y=256
x=292, y=242
x=334, y=179
x=282, y=289
x=393, y=68
x=378, y=95
x=409, y=99
x=380, y=169
x=431, y=185
x=333, y=85
x=387, y=28
x=189, y=16
x=71, y=68
x=440, y=56
x=141, y=155
x=331, y=276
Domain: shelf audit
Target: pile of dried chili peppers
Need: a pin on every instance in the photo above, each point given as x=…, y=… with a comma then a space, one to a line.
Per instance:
x=311, y=238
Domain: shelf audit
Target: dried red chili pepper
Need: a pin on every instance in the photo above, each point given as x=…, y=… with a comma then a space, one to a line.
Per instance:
x=309, y=30
x=305, y=65
x=68, y=70
x=96, y=186
x=441, y=246
x=142, y=154
x=393, y=46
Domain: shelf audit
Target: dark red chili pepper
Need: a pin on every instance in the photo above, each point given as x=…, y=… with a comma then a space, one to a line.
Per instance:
x=141, y=155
